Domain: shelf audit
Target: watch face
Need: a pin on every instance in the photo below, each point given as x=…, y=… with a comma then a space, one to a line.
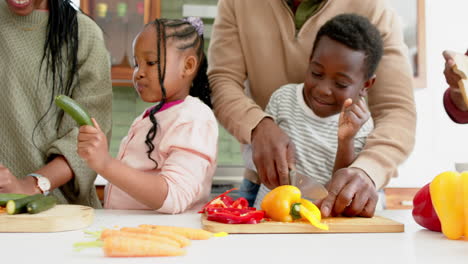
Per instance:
x=43, y=183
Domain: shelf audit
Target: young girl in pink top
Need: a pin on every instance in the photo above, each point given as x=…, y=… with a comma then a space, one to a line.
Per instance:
x=167, y=160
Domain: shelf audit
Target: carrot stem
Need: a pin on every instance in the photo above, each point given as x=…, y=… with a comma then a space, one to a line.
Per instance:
x=89, y=244
x=95, y=234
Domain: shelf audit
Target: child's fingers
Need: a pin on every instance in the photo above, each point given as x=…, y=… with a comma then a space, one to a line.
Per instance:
x=95, y=123
x=358, y=111
x=88, y=136
x=85, y=146
x=363, y=106
x=347, y=103
x=362, y=103
x=87, y=129
x=83, y=152
x=352, y=117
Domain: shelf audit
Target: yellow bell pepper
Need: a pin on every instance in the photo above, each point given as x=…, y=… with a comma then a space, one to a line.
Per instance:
x=284, y=204
x=449, y=194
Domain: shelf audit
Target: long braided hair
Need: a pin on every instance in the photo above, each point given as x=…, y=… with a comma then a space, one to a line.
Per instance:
x=60, y=52
x=184, y=36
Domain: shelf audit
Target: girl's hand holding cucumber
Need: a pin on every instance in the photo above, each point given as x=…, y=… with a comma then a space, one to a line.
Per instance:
x=92, y=147
x=92, y=142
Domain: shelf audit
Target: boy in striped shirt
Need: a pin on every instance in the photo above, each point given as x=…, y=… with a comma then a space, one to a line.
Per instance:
x=327, y=116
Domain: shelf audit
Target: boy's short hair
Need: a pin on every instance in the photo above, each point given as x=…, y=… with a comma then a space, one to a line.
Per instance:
x=357, y=33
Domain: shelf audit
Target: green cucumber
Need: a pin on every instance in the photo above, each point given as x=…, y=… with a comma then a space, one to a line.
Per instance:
x=72, y=108
x=5, y=197
x=19, y=205
x=41, y=204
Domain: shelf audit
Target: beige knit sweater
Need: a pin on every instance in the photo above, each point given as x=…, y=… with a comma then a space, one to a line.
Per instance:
x=25, y=97
x=257, y=41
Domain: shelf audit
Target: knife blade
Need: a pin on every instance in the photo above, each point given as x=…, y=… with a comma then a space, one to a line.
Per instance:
x=310, y=188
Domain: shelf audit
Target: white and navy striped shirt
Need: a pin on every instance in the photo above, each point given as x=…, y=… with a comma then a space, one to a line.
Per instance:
x=315, y=138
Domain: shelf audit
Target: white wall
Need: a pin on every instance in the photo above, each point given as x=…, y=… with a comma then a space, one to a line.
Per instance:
x=77, y=2
x=439, y=141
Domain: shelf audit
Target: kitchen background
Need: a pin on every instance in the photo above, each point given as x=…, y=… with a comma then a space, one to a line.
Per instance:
x=440, y=143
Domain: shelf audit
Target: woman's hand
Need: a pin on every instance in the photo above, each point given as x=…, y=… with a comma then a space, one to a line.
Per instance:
x=452, y=80
x=10, y=184
x=352, y=117
x=351, y=192
x=273, y=153
x=92, y=147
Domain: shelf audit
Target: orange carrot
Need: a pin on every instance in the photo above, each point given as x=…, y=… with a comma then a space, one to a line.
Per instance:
x=2, y=209
x=190, y=233
x=160, y=239
x=183, y=241
x=115, y=246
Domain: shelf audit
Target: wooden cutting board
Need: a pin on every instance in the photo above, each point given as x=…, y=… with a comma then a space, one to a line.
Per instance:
x=376, y=224
x=62, y=217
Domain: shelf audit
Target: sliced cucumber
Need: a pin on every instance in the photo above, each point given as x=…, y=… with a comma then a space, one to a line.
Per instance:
x=5, y=197
x=19, y=205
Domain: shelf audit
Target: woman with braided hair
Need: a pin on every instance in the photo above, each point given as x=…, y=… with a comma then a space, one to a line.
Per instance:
x=49, y=48
x=167, y=160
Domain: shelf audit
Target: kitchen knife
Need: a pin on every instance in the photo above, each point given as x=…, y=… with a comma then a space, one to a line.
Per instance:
x=310, y=188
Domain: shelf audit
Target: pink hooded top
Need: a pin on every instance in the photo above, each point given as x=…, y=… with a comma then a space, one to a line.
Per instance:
x=185, y=150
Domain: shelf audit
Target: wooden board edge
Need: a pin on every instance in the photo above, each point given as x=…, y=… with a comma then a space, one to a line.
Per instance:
x=390, y=227
x=38, y=225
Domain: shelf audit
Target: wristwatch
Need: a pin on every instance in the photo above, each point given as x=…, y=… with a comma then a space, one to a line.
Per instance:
x=41, y=182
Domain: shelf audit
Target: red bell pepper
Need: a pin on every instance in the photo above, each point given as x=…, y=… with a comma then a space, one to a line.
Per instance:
x=240, y=203
x=225, y=210
x=236, y=217
x=220, y=201
x=423, y=211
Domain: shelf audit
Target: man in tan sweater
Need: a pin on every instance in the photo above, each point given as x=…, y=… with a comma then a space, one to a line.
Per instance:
x=267, y=43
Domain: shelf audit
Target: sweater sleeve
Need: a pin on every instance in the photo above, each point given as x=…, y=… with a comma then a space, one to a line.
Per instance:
x=94, y=93
x=227, y=74
x=191, y=150
x=453, y=112
x=391, y=102
x=272, y=107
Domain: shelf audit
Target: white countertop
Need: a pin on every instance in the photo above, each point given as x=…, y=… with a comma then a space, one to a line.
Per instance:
x=415, y=245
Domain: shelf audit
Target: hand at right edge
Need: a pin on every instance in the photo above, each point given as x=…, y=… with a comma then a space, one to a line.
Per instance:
x=452, y=80
x=273, y=153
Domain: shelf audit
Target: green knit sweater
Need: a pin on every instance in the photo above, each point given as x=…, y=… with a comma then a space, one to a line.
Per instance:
x=26, y=96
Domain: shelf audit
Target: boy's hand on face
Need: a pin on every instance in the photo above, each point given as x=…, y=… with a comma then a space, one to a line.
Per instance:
x=452, y=80
x=352, y=117
x=92, y=147
x=272, y=153
x=351, y=192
